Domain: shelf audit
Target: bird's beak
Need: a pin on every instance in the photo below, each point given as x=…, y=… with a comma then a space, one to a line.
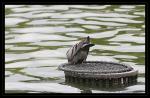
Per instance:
x=88, y=45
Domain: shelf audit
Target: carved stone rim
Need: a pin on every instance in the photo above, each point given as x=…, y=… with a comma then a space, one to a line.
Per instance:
x=101, y=67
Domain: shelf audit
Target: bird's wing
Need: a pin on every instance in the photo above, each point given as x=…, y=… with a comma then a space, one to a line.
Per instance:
x=74, y=50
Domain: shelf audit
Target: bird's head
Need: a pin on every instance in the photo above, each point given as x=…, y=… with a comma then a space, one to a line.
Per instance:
x=86, y=42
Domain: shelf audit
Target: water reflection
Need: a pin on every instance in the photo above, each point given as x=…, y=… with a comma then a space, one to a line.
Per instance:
x=38, y=36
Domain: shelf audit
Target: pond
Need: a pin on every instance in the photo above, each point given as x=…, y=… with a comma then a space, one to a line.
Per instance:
x=37, y=38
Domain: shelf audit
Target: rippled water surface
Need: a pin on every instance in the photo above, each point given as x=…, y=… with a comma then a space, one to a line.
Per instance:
x=38, y=36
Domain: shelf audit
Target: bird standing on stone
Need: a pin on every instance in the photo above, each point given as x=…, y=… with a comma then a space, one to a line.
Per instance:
x=78, y=53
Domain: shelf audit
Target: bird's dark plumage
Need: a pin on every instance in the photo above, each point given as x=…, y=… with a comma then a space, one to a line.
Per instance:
x=78, y=53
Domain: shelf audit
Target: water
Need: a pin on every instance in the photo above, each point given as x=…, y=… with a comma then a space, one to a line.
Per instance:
x=38, y=36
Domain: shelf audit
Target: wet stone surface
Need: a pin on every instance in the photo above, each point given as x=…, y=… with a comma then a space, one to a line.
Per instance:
x=96, y=66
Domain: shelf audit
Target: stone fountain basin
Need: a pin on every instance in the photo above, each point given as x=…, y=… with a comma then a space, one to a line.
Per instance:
x=98, y=69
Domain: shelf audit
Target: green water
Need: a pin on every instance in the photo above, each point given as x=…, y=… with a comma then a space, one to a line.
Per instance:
x=38, y=36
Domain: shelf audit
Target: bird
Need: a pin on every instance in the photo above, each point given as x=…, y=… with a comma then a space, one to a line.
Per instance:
x=78, y=53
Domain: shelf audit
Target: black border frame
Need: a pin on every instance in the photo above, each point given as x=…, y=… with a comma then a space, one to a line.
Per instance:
x=41, y=2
